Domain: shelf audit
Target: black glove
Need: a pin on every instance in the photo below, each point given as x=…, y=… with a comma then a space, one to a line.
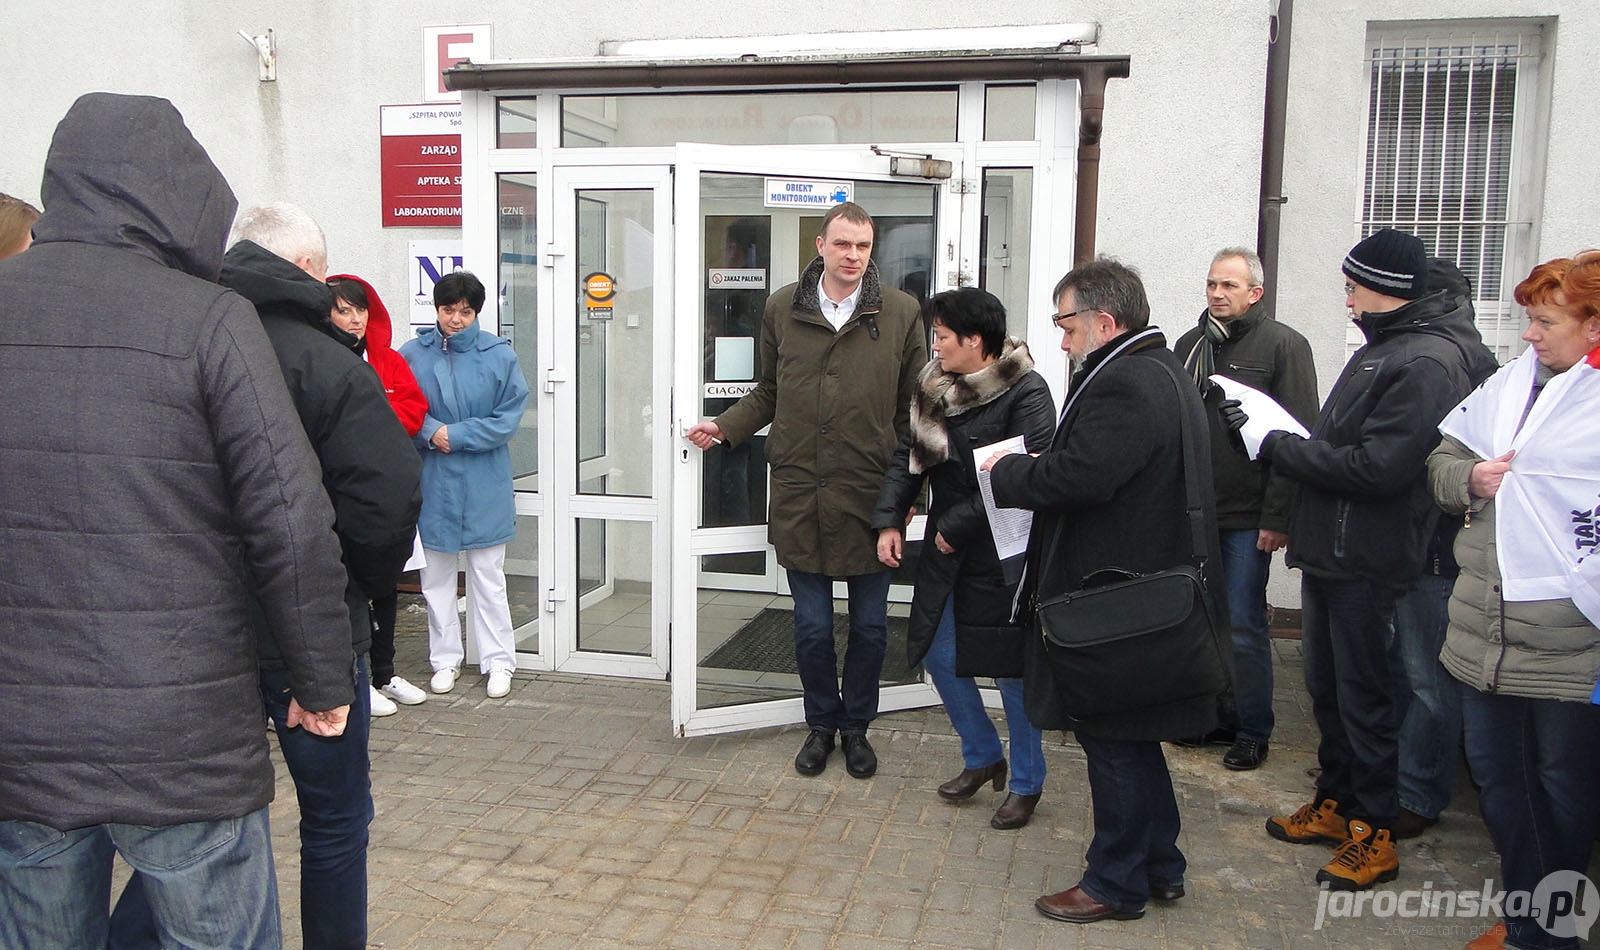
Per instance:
x=1232, y=416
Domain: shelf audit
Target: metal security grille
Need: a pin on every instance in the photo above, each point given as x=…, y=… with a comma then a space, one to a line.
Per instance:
x=1446, y=111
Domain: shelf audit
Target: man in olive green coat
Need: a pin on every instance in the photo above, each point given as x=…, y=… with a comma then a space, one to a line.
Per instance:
x=840, y=356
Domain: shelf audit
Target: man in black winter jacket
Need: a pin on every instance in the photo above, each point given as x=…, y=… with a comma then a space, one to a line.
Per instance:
x=1359, y=535
x=371, y=473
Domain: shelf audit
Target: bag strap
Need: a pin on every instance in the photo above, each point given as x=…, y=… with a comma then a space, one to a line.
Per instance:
x=1194, y=507
x=1194, y=503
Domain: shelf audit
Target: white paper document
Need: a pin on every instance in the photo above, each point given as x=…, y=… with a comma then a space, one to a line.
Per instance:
x=1010, y=526
x=1266, y=415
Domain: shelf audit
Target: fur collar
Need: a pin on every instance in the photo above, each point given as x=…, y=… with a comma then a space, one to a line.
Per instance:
x=941, y=395
x=805, y=291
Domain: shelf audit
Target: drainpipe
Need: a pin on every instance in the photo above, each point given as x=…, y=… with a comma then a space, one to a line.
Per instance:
x=1091, y=116
x=1270, y=212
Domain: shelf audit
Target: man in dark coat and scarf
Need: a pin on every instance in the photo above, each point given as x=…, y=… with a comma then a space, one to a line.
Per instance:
x=1109, y=492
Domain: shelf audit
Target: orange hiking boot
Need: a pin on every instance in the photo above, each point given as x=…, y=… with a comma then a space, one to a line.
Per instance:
x=1368, y=858
x=1318, y=821
x=1492, y=939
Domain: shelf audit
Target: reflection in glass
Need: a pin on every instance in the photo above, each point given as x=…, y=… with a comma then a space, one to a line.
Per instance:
x=519, y=310
x=516, y=123
x=522, y=583
x=746, y=647
x=1008, y=113
x=1003, y=242
x=614, y=606
x=615, y=329
x=817, y=117
x=749, y=251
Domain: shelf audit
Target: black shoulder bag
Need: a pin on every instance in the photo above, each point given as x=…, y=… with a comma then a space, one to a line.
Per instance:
x=1126, y=642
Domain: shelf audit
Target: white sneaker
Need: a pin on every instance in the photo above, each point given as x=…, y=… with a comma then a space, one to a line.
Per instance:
x=381, y=705
x=444, y=680
x=402, y=692
x=499, y=683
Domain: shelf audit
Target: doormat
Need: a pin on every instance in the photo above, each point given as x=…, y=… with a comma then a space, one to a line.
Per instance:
x=766, y=644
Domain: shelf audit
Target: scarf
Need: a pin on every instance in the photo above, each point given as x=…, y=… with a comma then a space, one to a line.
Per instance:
x=940, y=395
x=1202, y=362
x=1548, y=506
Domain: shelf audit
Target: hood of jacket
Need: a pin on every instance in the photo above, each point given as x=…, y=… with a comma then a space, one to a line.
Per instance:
x=276, y=286
x=805, y=291
x=1446, y=313
x=380, y=331
x=173, y=206
x=471, y=337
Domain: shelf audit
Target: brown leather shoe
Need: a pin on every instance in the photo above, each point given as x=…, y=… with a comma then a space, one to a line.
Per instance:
x=1014, y=812
x=966, y=785
x=1075, y=907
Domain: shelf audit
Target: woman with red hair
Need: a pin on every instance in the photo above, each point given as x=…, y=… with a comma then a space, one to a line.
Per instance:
x=1517, y=461
x=359, y=311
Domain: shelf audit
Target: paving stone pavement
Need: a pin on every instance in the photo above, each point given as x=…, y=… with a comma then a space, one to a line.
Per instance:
x=567, y=815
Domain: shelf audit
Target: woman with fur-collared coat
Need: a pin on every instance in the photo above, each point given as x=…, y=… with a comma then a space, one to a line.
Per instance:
x=979, y=389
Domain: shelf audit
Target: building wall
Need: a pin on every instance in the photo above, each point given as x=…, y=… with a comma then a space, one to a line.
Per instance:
x=311, y=136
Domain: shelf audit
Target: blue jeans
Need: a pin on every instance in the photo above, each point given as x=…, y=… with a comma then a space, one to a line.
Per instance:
x=1354, y=676
x=1430, y=726
x=980, y=743
x=1539, y=790
x=1136, y=825
x=211, y=883
x=1244, y=575
x=832, y=705
x=334, y=789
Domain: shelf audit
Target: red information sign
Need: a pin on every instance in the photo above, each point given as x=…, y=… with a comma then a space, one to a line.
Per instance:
x=421, y=166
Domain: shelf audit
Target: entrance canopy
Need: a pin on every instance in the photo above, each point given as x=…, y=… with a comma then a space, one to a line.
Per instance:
x=1002, y=53
x=1033, y=53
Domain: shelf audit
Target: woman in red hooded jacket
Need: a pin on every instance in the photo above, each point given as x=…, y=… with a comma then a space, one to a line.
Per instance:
x=359, y=311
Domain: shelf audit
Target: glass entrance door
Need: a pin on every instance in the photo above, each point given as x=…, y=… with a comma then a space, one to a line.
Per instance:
x=593, y=465
x=746, y=226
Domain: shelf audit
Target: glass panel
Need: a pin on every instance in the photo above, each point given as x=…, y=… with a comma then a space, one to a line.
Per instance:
x=766, y=118
x=517, y=123
x=616, y=356
x=1003, y=241
x=519, y=310
x=522, y=583
x=749, y=251
x=614, y=605
x=746, y=646
x=1008, y=113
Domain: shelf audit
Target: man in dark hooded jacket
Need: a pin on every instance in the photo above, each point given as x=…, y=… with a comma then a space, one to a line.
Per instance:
x=371, y=474
x=1359, y=533
x=153, y=480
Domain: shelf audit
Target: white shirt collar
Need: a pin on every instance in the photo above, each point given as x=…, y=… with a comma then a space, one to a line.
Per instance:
x=838, y=314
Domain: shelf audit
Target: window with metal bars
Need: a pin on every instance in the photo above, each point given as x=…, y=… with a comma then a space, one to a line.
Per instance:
x=1448, y=156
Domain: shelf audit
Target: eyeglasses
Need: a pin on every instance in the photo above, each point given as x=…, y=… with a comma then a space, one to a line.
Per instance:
x=1056, y=318
x=1349, y=288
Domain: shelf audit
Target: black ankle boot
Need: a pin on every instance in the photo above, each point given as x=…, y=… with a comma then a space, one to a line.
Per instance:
x=1014, y=812
x=966, y=785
